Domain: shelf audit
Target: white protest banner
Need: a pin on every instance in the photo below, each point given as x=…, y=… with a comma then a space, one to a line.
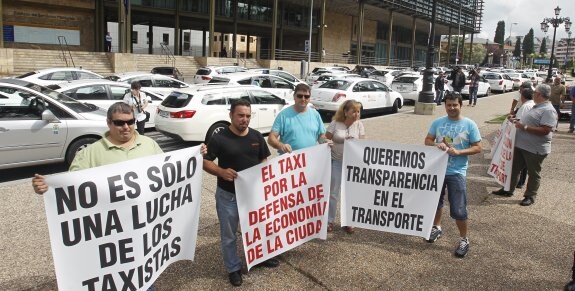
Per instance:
x=497, y=138
x=502, y=160
x=282, y=203
x=117, y=227
x=391, y=187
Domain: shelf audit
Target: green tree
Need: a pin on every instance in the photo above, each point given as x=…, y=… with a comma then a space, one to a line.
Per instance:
x=543, y=47
x=517, y=50
x=478, y=53
x=528, y=45
x=500, y=33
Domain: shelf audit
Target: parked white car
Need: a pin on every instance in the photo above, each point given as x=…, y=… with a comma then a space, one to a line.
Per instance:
x=316, y=72
x=373, y=95
x=205, y=74
x=536, y=80
x=518, y=79
x=409, y=85
x=195, y=114
x=484, y=88
x=104, y=93
x=41, y=126
x=156, y=83
x=326, y=77
x=279, y=73
x=384, y=76
x=51, y=76
x=276, y=85
x=499, y=82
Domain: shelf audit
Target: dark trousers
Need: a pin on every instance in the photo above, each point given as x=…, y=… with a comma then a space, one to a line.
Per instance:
x=140, y=126
x=522, y=177
x=108, y=46
x=532, y=162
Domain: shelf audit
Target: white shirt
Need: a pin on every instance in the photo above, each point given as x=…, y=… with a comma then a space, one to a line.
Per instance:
x=524, y=108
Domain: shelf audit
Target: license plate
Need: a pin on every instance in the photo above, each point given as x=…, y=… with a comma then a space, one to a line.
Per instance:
x=164, y=114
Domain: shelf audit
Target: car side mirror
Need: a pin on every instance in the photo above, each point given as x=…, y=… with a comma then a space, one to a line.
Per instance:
x=49, y=116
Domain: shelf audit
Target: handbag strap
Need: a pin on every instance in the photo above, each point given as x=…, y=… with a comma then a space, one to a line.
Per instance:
x=140, y=109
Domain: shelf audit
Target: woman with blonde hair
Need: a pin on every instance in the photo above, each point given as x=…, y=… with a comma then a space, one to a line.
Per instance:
x=345, y=125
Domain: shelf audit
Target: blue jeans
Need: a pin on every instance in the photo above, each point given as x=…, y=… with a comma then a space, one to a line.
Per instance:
x=456, y=187
x=335, y=188
x=227, y=209
x=572, y=124
x=473, y=95
x=439, y=96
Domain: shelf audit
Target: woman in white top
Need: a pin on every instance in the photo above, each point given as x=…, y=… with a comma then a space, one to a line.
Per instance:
x=139, y=102
x=345, y=125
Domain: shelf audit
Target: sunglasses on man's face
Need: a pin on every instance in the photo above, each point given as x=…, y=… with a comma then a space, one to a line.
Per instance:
x=119, y=122
x=303, y=96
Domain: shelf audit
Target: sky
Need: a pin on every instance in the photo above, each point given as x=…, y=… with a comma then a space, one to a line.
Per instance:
x=527, y=14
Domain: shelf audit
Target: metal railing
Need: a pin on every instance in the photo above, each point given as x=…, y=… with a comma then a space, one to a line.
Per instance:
x=343, y=58
x=170, y=58
x=239, y=59
x=65, y=51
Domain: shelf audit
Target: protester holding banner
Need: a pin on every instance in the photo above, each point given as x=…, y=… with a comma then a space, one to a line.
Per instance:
x=459, y=137
x=298, y=126
x=345, y=125
x=236, y=147
x=532, y=144
x=526, y=104
x=120, y=143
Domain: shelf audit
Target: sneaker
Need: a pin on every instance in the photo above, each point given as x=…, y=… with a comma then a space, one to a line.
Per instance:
x=236, y=278
x=435, y=234
x=462, y=248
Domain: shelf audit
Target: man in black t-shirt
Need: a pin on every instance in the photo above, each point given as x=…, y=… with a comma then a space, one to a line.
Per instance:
x=236, y=147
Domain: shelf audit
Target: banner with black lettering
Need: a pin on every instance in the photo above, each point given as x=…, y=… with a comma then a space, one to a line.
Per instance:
x=391, y=187
x=117, y=227
x=282, y=203
x=502, y=158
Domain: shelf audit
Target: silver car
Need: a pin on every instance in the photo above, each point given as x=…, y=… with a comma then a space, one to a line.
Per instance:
x=41, y=126
x=104, y=93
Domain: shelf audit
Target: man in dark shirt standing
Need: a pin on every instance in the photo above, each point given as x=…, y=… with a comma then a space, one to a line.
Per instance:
x=237, y=148
x=439, y=88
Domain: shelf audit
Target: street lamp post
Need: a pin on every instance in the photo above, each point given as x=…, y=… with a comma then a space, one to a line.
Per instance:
x=568, y=44
x=425, y=101
x=555, y=22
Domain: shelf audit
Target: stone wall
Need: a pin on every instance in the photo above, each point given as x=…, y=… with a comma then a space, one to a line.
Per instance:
x=58, y=14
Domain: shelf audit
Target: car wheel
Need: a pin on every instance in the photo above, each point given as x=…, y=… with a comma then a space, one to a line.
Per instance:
x=488, y=92
x=395, y=107
x=77, y=146
x=504, y=89
x=215, y=129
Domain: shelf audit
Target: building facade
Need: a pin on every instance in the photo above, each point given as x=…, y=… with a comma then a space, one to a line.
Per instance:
x=368, y=31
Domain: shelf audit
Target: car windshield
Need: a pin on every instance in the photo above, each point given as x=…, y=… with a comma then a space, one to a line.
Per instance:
x=513, y=75
x=69, y=102
x=177, y=100
x=163, y=71
x=336, y=84
x=203, y=71
x=405, y=79
x=26, y=75
x=491, y=77
x=217, y=80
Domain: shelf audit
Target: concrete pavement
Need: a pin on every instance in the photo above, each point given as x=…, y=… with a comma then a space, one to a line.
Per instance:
x=512, y=247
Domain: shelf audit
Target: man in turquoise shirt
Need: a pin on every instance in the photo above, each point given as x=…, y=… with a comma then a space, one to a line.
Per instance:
x=459, y=137
x=298, y=126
